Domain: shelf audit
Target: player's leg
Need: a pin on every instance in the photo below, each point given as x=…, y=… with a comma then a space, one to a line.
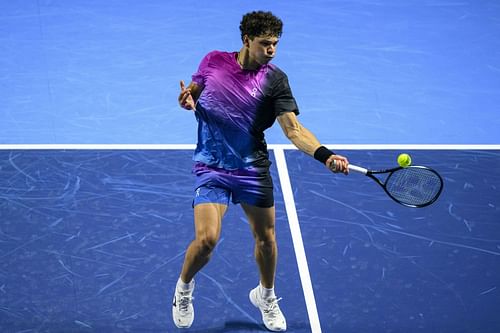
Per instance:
x=210, y=205
x=262, y=222
x=208, y=221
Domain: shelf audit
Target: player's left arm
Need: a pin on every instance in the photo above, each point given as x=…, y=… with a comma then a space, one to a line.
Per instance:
x=305, y=141
x=189, y=95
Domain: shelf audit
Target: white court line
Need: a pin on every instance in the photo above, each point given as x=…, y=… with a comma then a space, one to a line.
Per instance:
x=190, y=146
x=398, y=146
x=298, y=244
x=72, y=146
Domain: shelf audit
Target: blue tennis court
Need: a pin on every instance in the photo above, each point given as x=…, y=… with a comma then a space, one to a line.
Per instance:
x=93, y=240
x=96, y=157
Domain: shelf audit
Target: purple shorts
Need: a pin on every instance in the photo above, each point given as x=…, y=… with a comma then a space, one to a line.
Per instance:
x=214, y=185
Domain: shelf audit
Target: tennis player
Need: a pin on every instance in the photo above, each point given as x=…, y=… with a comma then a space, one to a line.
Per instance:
x=235, y=96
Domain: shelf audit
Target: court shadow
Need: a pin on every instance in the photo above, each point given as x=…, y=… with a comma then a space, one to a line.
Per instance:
x=233, y=326
x=244, y=326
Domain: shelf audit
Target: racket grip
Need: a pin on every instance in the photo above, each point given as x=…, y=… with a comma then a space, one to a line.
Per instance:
x=358, y=169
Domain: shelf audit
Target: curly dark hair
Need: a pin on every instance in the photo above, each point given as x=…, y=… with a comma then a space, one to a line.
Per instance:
x=260, y=23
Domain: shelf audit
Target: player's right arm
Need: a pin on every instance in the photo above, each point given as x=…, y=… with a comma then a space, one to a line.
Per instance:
x=303, y=139
x=189, y=95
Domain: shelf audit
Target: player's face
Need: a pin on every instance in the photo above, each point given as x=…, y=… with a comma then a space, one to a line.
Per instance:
x=262, y=49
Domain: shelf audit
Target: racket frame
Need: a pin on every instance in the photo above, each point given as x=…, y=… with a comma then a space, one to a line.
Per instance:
x=389, y=172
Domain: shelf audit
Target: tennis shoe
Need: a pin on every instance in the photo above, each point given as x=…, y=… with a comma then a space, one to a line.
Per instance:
x=182, y=308
x=271, y=314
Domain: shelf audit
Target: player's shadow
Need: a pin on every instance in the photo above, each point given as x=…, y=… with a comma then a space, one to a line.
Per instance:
x=245, y=326
x=234, y=326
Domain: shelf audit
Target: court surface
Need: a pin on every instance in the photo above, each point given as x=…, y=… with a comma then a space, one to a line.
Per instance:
x=93, y=240
x=362, y=71
x=95, y=159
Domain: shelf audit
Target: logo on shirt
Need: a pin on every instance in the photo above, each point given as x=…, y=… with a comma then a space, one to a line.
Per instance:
x=254, y=92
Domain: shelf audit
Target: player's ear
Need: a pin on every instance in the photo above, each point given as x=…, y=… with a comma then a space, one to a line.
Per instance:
x=246, y=41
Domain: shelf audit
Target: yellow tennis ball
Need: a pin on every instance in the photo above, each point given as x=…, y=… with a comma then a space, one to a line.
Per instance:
x=404, y=160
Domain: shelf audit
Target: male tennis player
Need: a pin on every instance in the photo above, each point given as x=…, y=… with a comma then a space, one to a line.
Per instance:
x=236, y=96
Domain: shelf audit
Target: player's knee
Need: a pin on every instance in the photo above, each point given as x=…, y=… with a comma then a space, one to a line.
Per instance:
x=266, y=237
x=266, y=244
x=207, y=245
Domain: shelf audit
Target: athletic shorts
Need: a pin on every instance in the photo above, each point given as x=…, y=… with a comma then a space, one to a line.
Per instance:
x=214, y=185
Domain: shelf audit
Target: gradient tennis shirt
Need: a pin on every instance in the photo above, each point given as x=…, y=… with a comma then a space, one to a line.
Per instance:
x=234, y=109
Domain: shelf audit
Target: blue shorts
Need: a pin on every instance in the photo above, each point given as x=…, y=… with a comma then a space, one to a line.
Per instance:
x=213, y=185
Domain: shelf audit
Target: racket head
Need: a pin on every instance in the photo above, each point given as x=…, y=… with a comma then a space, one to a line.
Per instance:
x=414, y=186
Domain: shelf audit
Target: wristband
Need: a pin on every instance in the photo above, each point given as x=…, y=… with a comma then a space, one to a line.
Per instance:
x=322, y=154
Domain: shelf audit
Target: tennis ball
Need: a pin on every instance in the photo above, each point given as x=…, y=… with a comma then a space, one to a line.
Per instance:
x=404, y=160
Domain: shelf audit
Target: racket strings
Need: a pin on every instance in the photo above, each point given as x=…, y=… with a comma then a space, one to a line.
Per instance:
x=414, y=186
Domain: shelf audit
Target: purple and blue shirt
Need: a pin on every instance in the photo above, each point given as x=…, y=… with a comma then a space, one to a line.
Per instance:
x=234, y=109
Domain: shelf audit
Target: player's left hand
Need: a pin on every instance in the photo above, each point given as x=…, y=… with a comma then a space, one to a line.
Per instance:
x=337, y=164
x=186, y=100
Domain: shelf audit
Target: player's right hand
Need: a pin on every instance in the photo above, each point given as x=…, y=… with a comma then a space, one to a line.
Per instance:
x=186, y=100
x=338, y=163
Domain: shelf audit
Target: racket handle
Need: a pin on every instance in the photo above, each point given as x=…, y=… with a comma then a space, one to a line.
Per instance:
x=358, y=169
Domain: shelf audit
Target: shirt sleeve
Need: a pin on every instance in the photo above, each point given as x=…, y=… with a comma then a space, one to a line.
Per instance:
x=283, y=99
x=200, y=76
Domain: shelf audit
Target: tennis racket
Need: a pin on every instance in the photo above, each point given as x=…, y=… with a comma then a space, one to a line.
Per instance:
x=413, y=186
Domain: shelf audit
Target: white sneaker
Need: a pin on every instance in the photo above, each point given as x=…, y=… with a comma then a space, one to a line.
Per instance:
x=271, y=314
x=182, y=308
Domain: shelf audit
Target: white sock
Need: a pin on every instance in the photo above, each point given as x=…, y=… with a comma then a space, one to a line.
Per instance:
x=182, y=286
x=266, y=292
